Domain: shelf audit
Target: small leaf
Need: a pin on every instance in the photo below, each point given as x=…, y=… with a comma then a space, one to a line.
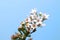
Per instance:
x=40, y=14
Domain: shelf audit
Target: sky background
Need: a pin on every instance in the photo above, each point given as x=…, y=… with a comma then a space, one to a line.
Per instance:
x=12, y=12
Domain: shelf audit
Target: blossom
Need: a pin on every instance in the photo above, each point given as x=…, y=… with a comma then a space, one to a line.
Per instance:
x=40, y=14
x=29, y=25
x=45, y=16
x=28, y=19
x=33, y=12
x=32, y=17
x=39, y=23
x=14, y=36
x=33, y=26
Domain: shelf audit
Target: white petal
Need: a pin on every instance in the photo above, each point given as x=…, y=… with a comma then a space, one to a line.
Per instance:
x=32, y=16
x=40, y=12
x=33, y=27
x=28, y=19
x=45, y=16
x=43, y=24
x=33, y=11
x=39, y=23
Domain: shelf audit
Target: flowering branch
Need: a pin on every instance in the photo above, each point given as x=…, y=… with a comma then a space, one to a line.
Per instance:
x=29, y=25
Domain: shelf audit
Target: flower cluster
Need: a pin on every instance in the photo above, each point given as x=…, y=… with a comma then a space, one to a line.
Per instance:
x=30, y=24
x=35, y=20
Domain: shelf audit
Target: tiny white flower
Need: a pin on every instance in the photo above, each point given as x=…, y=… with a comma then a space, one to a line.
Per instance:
x=28, y=19
x=39, y=23
x=35, y=17
x=38, y=17
x=32, y=16
x=33, y=11
x=34, y=21
x=45, y=16
x=33, y=26
x=30, y=25
x=39, y=20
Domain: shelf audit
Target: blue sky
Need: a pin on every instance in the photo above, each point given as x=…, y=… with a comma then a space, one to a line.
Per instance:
x=12, y=12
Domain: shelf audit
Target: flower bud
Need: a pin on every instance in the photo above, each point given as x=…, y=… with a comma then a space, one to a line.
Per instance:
x=14, y=36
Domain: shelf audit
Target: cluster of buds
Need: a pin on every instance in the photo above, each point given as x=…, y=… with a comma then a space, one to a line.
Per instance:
x=29, y=25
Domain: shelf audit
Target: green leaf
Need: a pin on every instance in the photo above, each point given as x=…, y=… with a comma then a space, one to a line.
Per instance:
x=40, y=14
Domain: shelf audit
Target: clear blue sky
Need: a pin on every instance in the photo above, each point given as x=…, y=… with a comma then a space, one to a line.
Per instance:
x=12, y=12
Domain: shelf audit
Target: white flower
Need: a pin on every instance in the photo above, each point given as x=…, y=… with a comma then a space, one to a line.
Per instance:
x=33, y=26
x=39, y=20
x=39, y=23
x=32, y=16
x=45, y=16
x=27, y=24
x=35, y=17
x=28, y=19
x=33, y=11
x=34, y=21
